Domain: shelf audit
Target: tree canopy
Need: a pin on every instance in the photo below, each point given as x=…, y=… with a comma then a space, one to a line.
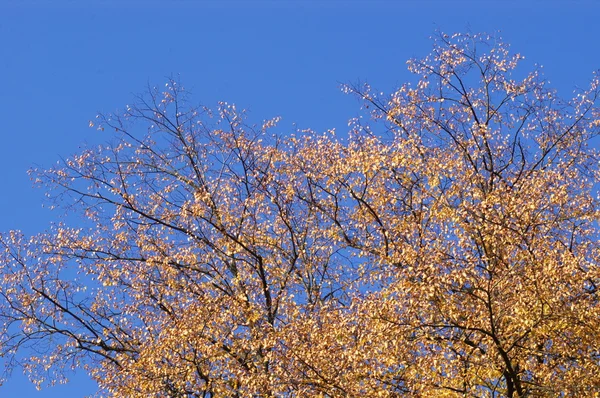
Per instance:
x=446, y=246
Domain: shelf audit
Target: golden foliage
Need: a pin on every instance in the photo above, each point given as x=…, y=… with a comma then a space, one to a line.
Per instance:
x=454, y=253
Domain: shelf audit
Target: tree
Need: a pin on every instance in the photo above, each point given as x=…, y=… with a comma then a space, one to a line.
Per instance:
x=448, y=248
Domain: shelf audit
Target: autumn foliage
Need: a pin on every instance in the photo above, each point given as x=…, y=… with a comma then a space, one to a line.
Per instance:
x=446, y=247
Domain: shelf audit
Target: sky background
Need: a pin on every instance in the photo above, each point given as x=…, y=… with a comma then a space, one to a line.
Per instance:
x=62, y=62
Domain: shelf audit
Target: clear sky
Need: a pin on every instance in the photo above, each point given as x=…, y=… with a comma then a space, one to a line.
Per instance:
x=62, y=62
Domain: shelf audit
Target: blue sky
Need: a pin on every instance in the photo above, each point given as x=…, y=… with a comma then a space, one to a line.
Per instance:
x=62, y=62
